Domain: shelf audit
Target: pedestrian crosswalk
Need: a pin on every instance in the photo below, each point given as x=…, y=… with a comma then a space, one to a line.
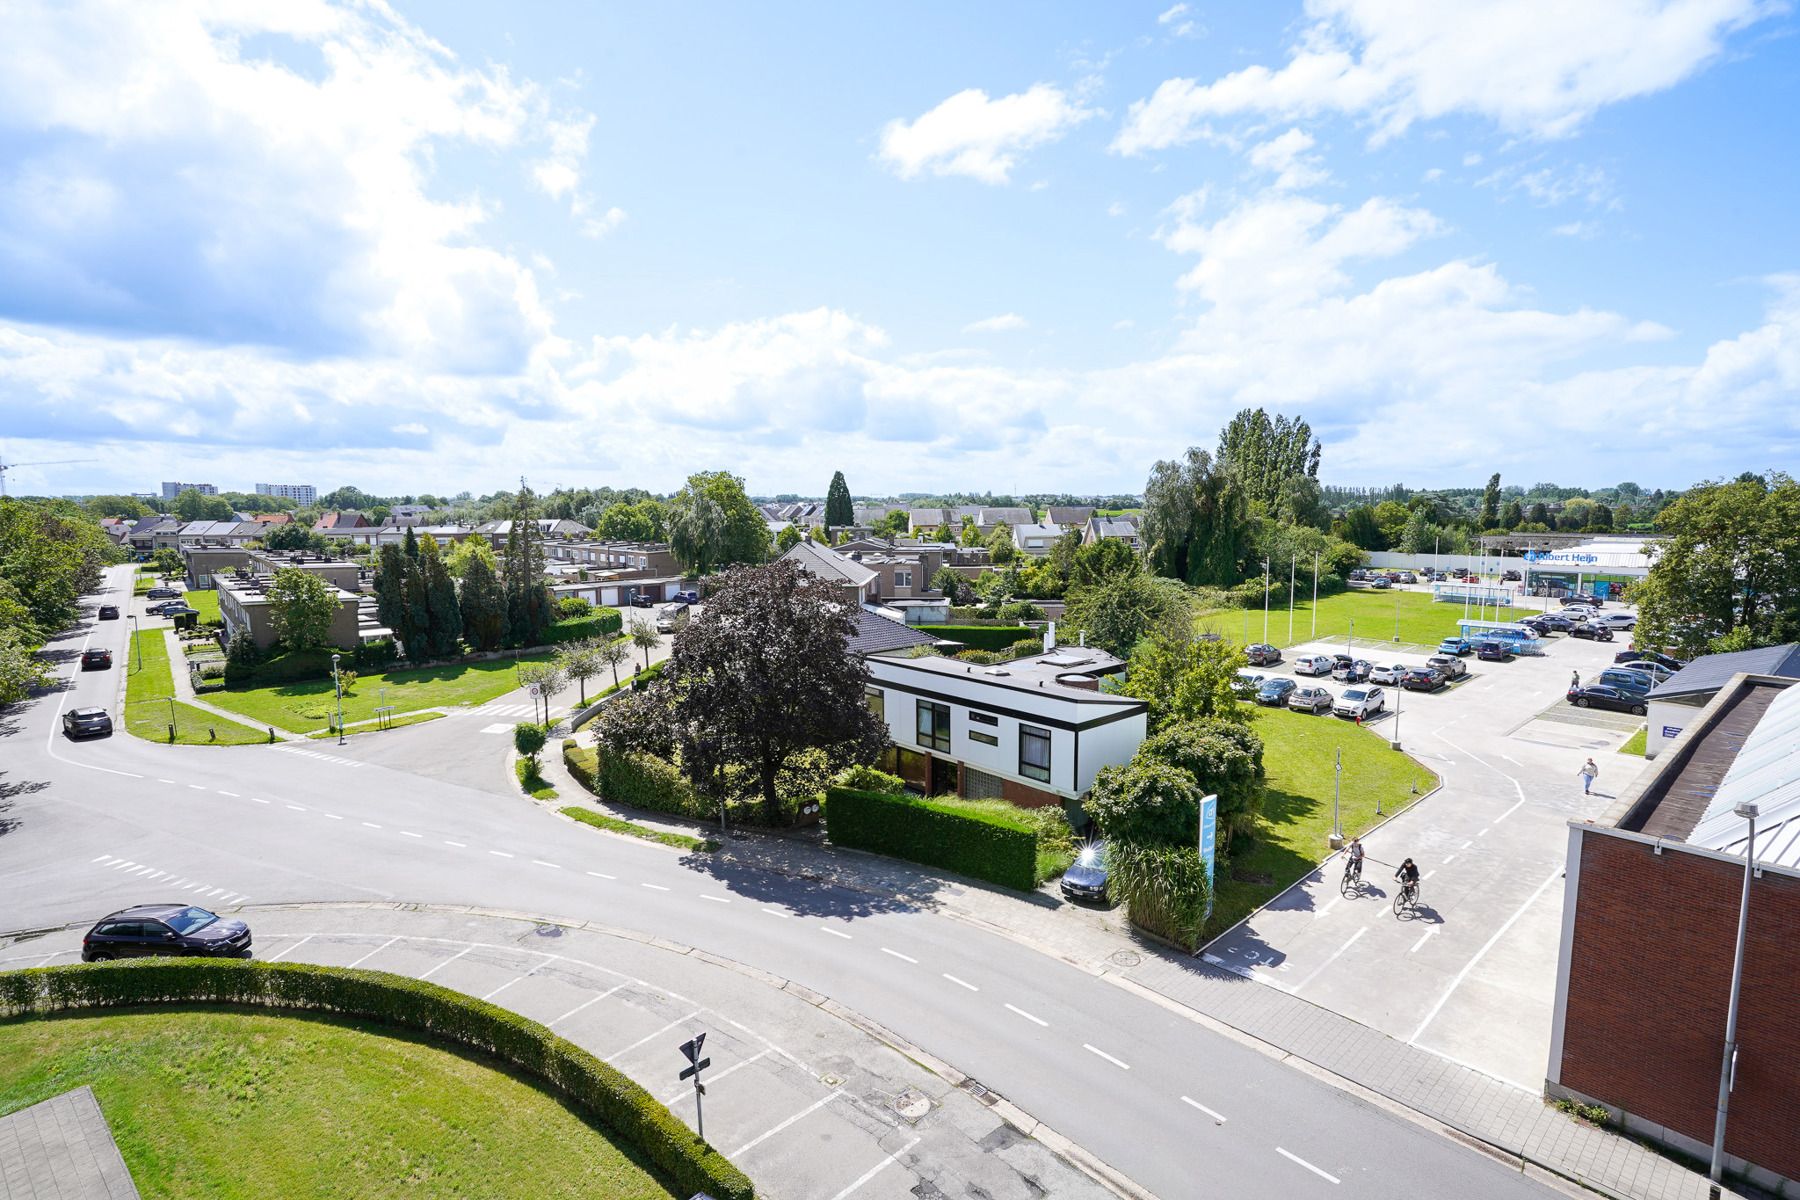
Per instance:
x=523, y=709
x=169, y=882
x=330, y=758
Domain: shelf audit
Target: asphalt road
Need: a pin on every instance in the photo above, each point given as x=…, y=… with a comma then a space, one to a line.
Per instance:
x=1179, y=1108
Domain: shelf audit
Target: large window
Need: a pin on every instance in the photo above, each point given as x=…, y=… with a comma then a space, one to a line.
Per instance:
x=934, y=726
x=1034, y=753
x=877, y=701
x=902, y=578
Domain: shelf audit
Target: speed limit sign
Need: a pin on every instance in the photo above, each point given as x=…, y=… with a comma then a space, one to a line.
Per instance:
x=536, y=691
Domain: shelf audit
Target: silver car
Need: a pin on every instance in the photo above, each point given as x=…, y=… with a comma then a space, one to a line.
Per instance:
x=1360, y=702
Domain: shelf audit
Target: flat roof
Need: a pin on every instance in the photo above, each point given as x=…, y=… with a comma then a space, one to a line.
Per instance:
x=1018, y=676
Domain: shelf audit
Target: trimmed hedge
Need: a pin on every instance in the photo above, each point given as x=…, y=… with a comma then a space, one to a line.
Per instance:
x=602, y=622
x=982, y=637
x=643, y=781
x=291, y=666
x=934, y=833
x=571, y=1072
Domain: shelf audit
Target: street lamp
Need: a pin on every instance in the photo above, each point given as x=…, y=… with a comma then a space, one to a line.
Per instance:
x=338, y=687
x=136, y=645
x=1727, y=1068
x=1394, y=742
x=1265, y=599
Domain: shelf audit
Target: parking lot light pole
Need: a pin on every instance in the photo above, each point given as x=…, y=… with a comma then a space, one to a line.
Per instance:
x=1728, y=1067
x=1265, y=599
x=136, y=646
x=1394, y=742
x=338, y=687
x=1315, y=607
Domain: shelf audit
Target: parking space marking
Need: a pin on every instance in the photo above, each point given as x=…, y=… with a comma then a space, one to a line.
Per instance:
x=1117, y=1062
x=656, y=1033
x=962, y=983
x=446, y=962
x=1328, y=907
x=810, y=1109
x=458, y=845
x=1448, y=859
x=101, y=858
x=1028, y=1016
x=602, y=875
x=1423, y=938
x=1217, y=1116
x=283, y=953
x=1509, y=812
x=1334, y=954
x=1295, y=1158
x=1482, y=953
x=516, y=978
x=1428, y=875
x=585, y=1003
x=687, y=1090
x=377, y=950
x=902, y=957
x=875, y=1170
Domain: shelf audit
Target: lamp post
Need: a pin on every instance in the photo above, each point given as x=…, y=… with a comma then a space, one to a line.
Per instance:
x=1396, y=616
x=1728, y=1067
x=1315, y=607
x=1293, y=561
x=1394, y=742
x=1337, y=781
x=136, y=648
x=338, y=687
x=1265, y=599
x=1350, y=639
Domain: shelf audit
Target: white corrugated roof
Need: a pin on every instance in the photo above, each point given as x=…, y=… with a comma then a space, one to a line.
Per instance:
x=1767, y=772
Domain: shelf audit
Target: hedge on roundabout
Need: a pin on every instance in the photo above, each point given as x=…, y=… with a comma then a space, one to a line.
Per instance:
x=582, y=1080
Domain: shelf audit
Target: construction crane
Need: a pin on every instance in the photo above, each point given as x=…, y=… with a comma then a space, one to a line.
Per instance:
x=55, y=462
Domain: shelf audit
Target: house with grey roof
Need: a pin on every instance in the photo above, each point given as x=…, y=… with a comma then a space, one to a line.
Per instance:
x=1036, y=540
x=1123, y=528
x=1675, y=701
x=1069, y=516
x=857, y=581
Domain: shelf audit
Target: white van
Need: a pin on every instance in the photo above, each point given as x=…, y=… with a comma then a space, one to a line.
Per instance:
x=671, y=616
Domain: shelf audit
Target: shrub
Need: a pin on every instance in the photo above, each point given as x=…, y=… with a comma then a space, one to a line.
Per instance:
x=584, y=1081
x=600, y=623
x=983, y=637
x=1019, y=611
x=528, y=739
x=377, y=653
x=290, y=666
x=975, y=840
x=1163, y=887
x=869, y=779
x=574, y=606
x=1024, y=646
x=981, y=658
x=644, y=781
x=211, y=670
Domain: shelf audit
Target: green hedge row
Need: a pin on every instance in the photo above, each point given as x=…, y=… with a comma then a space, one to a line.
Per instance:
x=602, y=622
x=935, y=834
x=577, y=1076
x=289, y=666
x=643, y=781
x=982, y=637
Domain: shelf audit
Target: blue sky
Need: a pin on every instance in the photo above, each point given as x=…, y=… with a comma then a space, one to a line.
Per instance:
x=1006, y=246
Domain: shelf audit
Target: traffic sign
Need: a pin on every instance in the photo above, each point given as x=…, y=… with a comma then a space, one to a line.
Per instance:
x=690, y=1072
x=535, y=691
x=696, y=1064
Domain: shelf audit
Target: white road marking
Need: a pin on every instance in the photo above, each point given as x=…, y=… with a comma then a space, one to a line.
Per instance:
x=46, y=959
x=1448, y=859
x=1428, y=875
x=1219, y=1117
x=410, y=833
x=776, y=912
x=122, y=864
x=446, y=962
x=257, y=800
x=223, y=792
x=170, y=782
x=458, y=845
x=655, y=887
x=602, y=875
x=499, y=854
x=1117, y=1062
x=515, y=979
x=1509, y=812
x=1315, y=971
x=1423, y=938
x=590, y=1000
x=283, y=953
x=1028, y=1016
x=1292, y=1157
x=371, y=825
x=1483, y=833
x=962, y=983
x=1328, y=907
x=377, y=950
x=902, y=957
x=538, y=862
x=760, y=1138
x=1468, y=843
x=298, y=808
x=653, y=1034
x=714, y=899
x=834, y=932
x=198, y=787
x=332, y=817
x=1482, y=953
x=687, y=1089
x=874, y=1171
x=102, y=858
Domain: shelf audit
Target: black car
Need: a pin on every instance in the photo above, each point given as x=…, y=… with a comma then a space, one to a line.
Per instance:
x=1086, y=877
x=1578, y=598
x=1511, y=576
x=163, y=593
x=162, y=607
x=642, y=601
x=109, y=612
x=1593, y=633
x=179, y=929
x=86, y=722
x=1423, y=679
x=1261, y=654
x=1540, y=627
x=1275, y=691
x=1347, y=670
x=95, y=658
x=1554, y=621
x=1493, y=652
x=1604, y=695
x=1625, y=656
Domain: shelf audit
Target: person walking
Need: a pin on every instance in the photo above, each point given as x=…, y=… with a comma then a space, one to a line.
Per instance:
x=1589, y=772
x=1575, y=681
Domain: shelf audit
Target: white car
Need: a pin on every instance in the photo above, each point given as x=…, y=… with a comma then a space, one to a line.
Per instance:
x=1314, y=664
x=1362, y=702
x=1389, y=675
x=1614, y=621
x=1247, y=683
x=1580, y=612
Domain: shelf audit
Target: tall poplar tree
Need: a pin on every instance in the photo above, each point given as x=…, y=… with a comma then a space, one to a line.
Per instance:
x=839, y=512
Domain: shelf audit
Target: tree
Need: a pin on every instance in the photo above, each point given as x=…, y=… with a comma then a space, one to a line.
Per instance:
x=1539, y=515
x=1196, y=521
x=1303, y=503
x=391, y=566
x=528, y=739
x=1359, y=529
x=410, y=544
x=444, y=622
x=190, y=505
x=580, y=661
x=971, y=533
x=482, y=601
x=301, y=608
x=1603, y=519
x=1265, y=454
x=51, y=554
x=638, y=522
x=1146, y=800
x=1513, y=515
x=167, y=562
x=292, y=535
x=763, y=683
x=713, y=524
x=950, y=583
x=1184, y=679
x=1103, y=559
x=1225, y=758
x=789, y=537
x=839, y=511
x=21, y=671
x=528, y=604
x=1490, y=502
x=549, y=678
x=463, y=553
x=348, y=498
x=1000, y=544
x=614, y=653
x=645, y=638
x=1120, y=610
x=129, y=507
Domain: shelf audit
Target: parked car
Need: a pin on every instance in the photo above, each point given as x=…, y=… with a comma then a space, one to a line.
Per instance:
x=1654, y=670
x=1248, y=683
x=671, y=616
x=1457, y=646
x=1582, y=600
x=1511, y=577
x=1408, y=577
x=1355, y=671
x=1626, y=680
x=1493, y=652
x=1580, y=612
x=1614, y=621
x=179, y=929
x=109, y=612
x=1357, y=574
x=163, y=593
x=1261, y=654
x=1447, y=665
x=86, y=722
x=1561, y=622
x=1380, y=581
x=1538, y=627
x=642, y=600
x=1085, y=878
x=1625, y=656
x=1361, y=702
x=1423, y=679
x=1310, y=699
x=1591, y=632
x=1601, y=695
x=1275, y=691
x=1388, y=673
x=1314, y=664
x=688, y=597
x=91, y=659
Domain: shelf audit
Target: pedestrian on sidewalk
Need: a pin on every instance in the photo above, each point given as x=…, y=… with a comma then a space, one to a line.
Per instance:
x=1575, y=681
x=1589, y=772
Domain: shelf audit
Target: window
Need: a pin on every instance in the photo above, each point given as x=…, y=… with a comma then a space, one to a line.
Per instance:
x=934, y=726
x=981, y=718
x=986, y=739
x=877, y=701
x=1034, y=753
x=902, y=578
x=979, y=785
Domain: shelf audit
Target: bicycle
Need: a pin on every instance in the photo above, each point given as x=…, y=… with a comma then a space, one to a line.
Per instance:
x=1407, y=897
x=1352, y=881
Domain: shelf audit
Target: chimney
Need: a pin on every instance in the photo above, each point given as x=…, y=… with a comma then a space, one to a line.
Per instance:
x=1050, y=637
x=1081, y=639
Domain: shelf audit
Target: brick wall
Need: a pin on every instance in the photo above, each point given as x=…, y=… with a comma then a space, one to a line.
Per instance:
x=1649, y=985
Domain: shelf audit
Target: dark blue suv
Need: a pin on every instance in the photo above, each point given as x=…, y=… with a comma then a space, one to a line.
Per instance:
x=175, y=929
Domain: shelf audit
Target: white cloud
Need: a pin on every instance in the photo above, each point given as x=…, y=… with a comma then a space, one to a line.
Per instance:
x=1288, y=159
x=970, y=134
x=1116, y=209
x=1536, y=68
x=1004, y=323
x=1175, y=19
x=596, y=224
x=1577, y=229
x=1433, y=175
x=1548, y=187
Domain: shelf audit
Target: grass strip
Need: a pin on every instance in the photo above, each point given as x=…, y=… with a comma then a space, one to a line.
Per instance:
x=1634, y=745
x=309, y=705
x=599, y=820
x=535, y=785
x=150, y=706
x=417, y=718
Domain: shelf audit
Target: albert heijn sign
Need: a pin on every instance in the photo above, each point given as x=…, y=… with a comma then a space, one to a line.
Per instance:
x=1547, y=556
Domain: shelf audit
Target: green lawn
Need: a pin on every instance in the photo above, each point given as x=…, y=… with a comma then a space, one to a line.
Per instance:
x=1420, y=621
x=416, y=718
x=1298, y=754
x=607, y=821
x=533, y=781
x=148, y=689
x=305, y=707
x=1635, y=743
x=205, y=602
x=224, y=1105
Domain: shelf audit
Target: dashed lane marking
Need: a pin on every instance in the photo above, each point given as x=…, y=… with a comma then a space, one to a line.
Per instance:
x=962, y=983
x=602, y=875
x=776, y=912
x=714, y=899
x=198, y=787
x=655, y=887
x=1295, y=1158
x=834, y=932
x=458, y=845
x=294, y=808
x=223, y=792
x=1117, y=1062
x=371, y=825
x=1217, y=1116
x=501, y=854
x=902, y=957
x=1036, y=1020
x=538, y=862
x=1423, y=938
x=410, y=833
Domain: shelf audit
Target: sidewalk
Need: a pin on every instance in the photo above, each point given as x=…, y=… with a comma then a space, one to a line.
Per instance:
x=1466, y=1101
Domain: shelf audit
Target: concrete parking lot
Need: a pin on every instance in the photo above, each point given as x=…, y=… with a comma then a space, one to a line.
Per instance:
x=1469, y=973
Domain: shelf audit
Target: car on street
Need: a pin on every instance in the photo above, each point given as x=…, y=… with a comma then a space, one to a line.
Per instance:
x=1457, y=646
x=1493, y=652
x=86, y=722
x=1575, y=599
x=163, y=593
x=1614, y=621
x=1086, y=877
x=1423, y=679
x=1625, y=656
x=1354, y=671
x=1626, y=680
x=1248, y=683
x=1261, y=654
x=1310, y=699
x=1654, y=670
x=1275, y=691
x=109, y=612
x=91, y=659
x=1388, y=673
x=1591, y=631
x=1449, y=666
x=1360, y=702
x=174, y=929
x=688, y=597
x=1314, y=664
x=1602, y=695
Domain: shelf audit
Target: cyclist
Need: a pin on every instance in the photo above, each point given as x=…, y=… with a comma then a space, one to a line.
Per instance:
x=1408, y=875
x=1355, y=865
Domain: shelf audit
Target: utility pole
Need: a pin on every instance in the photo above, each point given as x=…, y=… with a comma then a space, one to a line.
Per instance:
x=337, y=686
x=1337, y=786
x=1265, y=599
x=1293, y=559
